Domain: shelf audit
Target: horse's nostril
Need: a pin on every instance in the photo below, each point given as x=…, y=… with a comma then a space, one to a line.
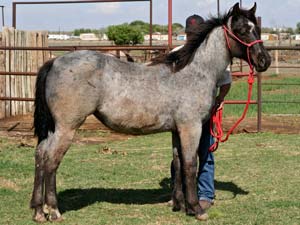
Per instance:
x=262, y=61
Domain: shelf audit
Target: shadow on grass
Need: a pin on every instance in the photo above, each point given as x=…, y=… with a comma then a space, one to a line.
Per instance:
x=75, y=199
x=229, y=186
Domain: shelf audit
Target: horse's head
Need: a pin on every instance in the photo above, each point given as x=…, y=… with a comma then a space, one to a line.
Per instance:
x=243, y=36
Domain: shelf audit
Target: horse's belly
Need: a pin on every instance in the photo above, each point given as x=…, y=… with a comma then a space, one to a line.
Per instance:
x=135, y=120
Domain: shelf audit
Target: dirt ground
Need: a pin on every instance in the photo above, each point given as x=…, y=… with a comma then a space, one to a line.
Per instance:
x=20, y=128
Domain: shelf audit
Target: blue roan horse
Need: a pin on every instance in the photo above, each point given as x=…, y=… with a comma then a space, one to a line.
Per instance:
x=175, y=94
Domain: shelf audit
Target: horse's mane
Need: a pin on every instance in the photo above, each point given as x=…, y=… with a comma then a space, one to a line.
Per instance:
x=177, y=60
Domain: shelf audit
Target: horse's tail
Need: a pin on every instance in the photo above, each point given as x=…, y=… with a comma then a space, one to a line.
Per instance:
x=43, y=120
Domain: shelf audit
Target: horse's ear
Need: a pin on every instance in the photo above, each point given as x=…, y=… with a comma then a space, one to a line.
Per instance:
x=253, y=9
x=236, y=9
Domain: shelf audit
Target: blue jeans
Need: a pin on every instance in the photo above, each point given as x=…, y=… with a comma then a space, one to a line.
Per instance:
x=206, y=188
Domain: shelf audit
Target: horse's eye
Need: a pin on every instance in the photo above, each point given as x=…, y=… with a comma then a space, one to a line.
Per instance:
x=243, y=30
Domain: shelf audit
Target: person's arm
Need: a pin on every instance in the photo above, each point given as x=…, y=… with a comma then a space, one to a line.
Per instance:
x=224, y=89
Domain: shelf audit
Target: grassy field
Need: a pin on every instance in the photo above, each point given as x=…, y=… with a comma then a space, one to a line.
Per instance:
x=275, y=88
x=257, y=182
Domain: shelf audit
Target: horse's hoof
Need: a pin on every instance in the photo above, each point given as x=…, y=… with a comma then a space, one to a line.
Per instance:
x=170, y=203
x=46, y=209
x=39, y=218
x=178, y=207
x=39, y=215
x=190, y=212
x=202, y=217
x=55, y=219
x=54, y=216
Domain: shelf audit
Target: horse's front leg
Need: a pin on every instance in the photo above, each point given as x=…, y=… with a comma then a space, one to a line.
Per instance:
x=177, y=195
x=189, y=138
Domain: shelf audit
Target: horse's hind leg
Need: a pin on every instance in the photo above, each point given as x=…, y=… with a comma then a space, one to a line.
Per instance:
x=57, y=149
x=50, y=154
x=37, y=199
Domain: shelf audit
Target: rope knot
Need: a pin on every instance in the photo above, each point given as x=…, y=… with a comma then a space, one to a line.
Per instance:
x=250, y=80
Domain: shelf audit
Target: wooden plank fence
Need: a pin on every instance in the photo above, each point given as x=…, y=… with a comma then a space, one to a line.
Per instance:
x=20, y=61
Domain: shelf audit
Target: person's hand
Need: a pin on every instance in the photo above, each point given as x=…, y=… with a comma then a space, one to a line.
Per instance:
x=220, y=106
x=219, y=101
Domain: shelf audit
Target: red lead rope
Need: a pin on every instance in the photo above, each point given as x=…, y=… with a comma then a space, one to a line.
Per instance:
x=216, y=118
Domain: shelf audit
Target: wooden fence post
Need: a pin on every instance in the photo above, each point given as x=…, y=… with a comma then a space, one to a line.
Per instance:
x=20, y=61
x=2, y=78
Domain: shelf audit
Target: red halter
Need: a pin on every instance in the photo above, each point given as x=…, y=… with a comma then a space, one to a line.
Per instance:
x=216, y=118
x=226, y=31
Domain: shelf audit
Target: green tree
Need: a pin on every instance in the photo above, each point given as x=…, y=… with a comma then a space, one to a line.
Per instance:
x=137, y=23
x=177, y=27
x=141, y=26
x=163, y=29
x=124, y=35
x=266, y=30
x=77, y=32
x=290, y=30
x=297, y=28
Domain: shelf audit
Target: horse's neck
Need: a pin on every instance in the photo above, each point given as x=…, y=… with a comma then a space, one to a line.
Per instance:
x=213, y=55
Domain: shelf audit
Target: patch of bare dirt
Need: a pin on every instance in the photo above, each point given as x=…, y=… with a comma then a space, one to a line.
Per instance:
x=20, y=128
x=4, y=183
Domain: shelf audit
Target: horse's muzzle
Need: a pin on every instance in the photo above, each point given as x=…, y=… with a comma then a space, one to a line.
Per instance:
x=263, y=62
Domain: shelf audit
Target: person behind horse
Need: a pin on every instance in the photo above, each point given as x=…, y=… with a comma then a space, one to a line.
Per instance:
x=205, y=182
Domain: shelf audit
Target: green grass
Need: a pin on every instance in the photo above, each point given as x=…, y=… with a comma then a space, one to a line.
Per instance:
x=273, y=91
x=257, y=182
